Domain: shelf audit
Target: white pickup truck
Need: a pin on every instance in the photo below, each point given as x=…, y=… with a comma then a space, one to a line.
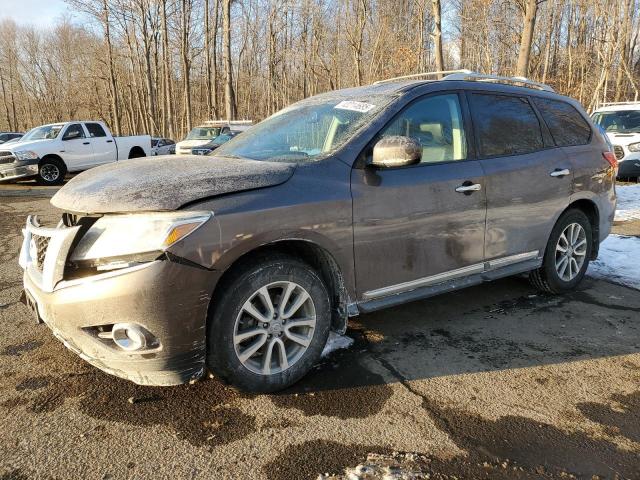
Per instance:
x=50, y=151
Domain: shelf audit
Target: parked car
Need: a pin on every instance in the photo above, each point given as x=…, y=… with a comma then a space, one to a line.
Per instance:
x=345, y=203
x=50, y=151
x=621, y=121
x=205, y=133
x=162, y=146
x=208, y=148
x=10, y=136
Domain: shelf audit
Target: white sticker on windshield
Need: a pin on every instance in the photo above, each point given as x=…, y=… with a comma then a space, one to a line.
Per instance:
x=355, y=106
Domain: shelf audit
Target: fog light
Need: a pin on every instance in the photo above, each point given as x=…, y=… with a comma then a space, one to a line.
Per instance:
x=128, y=336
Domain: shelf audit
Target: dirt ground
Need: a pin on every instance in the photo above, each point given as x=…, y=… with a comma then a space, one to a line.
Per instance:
x=496, y=381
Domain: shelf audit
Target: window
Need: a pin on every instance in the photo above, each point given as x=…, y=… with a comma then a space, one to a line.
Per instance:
x=436, y=122
x=95, y=130
x=73, y=131
x=619, y=121
x=506, y=125
x=565, y=123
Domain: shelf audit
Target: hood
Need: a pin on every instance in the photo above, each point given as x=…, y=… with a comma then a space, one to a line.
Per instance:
x=33, y=144
x=164, y=183
x=623, y=139
x=192, y=143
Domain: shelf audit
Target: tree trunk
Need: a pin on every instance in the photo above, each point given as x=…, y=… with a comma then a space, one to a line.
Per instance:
x=229, y=96
x=437, y=34
x=530, y=13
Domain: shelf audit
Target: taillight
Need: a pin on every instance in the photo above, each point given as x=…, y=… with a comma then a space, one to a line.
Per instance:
x=611, y=158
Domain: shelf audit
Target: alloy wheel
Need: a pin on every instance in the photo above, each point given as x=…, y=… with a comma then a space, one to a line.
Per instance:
x=50, y=172
x=274, y=328
x=571, y=251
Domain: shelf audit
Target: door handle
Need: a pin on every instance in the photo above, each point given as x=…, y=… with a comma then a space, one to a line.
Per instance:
x=109, y=141
x=468, y=187
x=86, y=143
x=560, y=172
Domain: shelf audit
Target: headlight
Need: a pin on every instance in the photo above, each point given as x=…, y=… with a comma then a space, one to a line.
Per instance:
x=634, y=147
x=25, y=155
x=124, y=235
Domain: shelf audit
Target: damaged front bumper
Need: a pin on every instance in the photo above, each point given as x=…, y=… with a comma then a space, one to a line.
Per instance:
x=164, y=301
x=18, y=169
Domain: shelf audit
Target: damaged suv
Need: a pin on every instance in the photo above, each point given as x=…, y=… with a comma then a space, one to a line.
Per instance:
x=242, y=263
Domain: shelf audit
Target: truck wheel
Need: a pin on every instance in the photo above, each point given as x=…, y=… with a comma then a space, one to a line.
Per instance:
x=51, y=171
x=136, y=152
x=269, y=325
x=567, y=255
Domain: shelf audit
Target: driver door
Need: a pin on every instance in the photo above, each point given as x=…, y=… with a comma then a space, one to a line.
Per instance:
x=416, y=226
x=77, y=150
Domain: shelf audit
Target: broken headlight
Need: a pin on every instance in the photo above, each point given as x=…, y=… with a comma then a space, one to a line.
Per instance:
x=113, y=239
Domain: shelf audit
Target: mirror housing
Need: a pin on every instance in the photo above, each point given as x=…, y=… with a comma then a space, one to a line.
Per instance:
x=71, y=135
x=396, y=151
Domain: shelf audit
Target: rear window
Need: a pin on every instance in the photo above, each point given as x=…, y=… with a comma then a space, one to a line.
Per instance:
x=95, y=130
x=567, y=126
x=506, y=125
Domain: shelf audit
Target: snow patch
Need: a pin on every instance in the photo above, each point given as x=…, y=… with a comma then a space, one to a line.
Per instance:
x=336, y=342
x=628, y=207
x=618, y=261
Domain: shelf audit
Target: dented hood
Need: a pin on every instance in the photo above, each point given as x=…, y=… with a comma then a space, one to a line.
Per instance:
x=164, y=183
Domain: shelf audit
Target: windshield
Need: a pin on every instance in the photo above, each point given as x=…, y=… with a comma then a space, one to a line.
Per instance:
x=621, y=121
x=46, y=132
x=203, y=133
x=304, y=131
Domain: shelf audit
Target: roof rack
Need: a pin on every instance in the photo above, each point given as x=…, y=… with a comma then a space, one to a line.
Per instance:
x=476, y=77
x=610, y=104
x=422, y=74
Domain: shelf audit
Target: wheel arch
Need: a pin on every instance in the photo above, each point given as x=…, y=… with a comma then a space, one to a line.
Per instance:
x=53, y=156
x=590, y=209
x=316, y=256
x=136, y=152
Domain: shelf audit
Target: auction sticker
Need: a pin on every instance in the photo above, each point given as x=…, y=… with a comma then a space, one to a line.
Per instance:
x=355, y=106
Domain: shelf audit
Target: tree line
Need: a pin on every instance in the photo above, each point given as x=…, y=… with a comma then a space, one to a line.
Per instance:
x=162, y=66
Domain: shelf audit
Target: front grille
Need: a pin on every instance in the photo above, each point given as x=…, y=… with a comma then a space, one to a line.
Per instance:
x=619, y=151
x=6, y=157
x=42, y=243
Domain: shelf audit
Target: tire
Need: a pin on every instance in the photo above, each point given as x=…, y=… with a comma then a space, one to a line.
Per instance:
x=51, y=171
x=229, y=324
x=554, y=275
x=136, y=153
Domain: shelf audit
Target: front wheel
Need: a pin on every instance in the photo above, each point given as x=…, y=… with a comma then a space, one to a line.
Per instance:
x=269, y=325
x=567, y=255
x=51, y=171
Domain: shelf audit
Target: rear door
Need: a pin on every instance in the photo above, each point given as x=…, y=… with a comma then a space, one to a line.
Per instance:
x=104, y=148
x=77, y=150
x=415, y=226
x=528, y=179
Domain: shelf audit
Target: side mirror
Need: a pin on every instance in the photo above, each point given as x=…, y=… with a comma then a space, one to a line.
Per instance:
x=72, y=135
x=396, y=151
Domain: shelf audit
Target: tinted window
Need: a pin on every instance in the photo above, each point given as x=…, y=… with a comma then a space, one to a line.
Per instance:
x=95, y=130
x=506, y=125
x=565, y=123
x=73, y=131
x=436, y=122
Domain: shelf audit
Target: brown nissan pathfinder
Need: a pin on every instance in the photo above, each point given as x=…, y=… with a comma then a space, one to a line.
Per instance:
x=242, y=262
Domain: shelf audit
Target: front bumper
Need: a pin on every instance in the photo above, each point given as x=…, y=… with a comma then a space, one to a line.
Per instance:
x=628, y=161
x=166, y=298
x=12, y=171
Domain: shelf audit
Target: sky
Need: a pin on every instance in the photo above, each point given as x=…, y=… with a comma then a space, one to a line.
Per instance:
x=41, y=13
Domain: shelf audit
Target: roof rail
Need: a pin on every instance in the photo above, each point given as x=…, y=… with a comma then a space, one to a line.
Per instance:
x=228, y=122
x=479, y=77
x=422, y=74
x=609, y=104
x=473, y=76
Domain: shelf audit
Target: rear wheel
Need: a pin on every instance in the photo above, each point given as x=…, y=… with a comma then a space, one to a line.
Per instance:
x=269, y=325
x=567, y=255
x=51, y=171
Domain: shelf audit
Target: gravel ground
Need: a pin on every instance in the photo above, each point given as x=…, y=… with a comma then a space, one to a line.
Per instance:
x=496, y=381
